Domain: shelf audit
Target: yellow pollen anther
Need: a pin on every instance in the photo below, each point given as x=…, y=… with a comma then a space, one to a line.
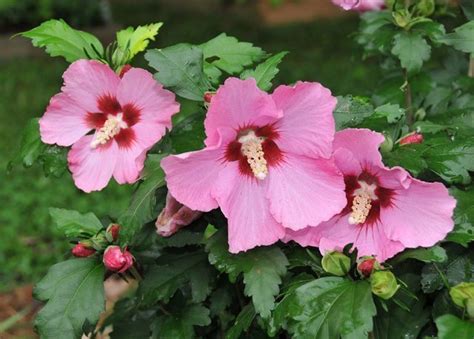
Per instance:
x=252, y=149
x=111, y=128
x=361, y=206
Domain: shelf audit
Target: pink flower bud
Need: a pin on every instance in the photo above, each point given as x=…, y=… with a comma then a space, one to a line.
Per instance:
x=117, y=260
x=114, y=230
x=208, y=96
x=124, y=70
x=174, y=216
x=413, y=138
x=366, y=266
x=82, y=251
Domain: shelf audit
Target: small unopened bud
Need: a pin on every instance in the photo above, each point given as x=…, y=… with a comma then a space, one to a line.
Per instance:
x=113, y=232
x=174, y=216
x=402, y=18
x=81, y=250
x=117, y=260
x=366, y=265
x=425, y=7
x=463, y=296
x=387, y=145
x=125, y=69
x=336, y=263
x=384, y=284
x=412, y=138
x=208, y=96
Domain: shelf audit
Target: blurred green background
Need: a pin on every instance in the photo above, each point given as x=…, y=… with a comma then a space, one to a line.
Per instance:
x=321, y=50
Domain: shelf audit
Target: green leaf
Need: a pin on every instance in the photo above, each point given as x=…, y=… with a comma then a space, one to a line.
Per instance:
x=31, y=146
x=393, y=113
x=132, y=41
x=143, y=205
x=180, y=324
x=60, y=39
x=462, y=39
x=450, y=326
x=54, y=160
x=331, y=307
x=412, y=50
x=242, y=322
x=180, y=68
x=265, y=72
x=75, y=224
x=188, y=135
x=351, y=111
x=230, y=55
x=262, y=270
x=75, y=293
x=173, y=272
x=463, y=232
x=433, y=254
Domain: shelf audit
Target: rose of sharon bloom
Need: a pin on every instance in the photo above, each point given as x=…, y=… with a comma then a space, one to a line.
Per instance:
x=126, y=115
x=360, y=5
x=117, y=260
x=264, y=163
x=387, y=209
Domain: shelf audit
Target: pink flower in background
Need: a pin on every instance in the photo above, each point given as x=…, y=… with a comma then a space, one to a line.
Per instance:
x=360, y=5
x=387, y=209
x=265, y=162
x=127, y=116
x=116, y=260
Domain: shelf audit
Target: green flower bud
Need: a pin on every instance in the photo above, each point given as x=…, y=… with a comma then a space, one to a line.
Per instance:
x=463, y=296
x=402, y=18
x=387, y=145
x=336, y=263
x=425, y=7
x=384, y=284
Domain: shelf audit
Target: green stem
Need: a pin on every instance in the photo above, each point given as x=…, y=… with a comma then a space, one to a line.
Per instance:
x=443, y=277
x=135, y=273
x=408, y=100
x=471, y=66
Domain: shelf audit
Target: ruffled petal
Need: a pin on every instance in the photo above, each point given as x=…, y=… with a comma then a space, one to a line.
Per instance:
x=347, y=163
x=307, y=126
x=64, y=121
x=305, y=192
x=85, y=81
x=363, y=144
x=238, y=103
x=92, y=168
x=420, y=215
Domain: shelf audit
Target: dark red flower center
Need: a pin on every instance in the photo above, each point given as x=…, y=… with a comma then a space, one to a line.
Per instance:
x=255, y=150
x=113, y=121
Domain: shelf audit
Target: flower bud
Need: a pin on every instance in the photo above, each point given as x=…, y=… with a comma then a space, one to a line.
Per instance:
x=384, y=284
x=125, y=69
x=366, y=266
x=425, y=7
x=412, y=138
x=402, y=18
x=336, y=263
x=387, y=145
x=117, y=260
x=81, y=250
x=113, y=232
x=174, y=216
x=463, y=296
x=208, y=97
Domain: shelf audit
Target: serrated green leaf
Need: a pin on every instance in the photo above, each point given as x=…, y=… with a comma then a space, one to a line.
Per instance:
x=75, y=293
x=450, y=327
x=331, y=307
x=75, y=224
x=351, y=111
x=54, y=160
x=31, y=146
x=60, y=39
x=180, y=68
x=188, y=135
x=242, y=322
x=231, y=55
x=132, y=41
x=462, y=39
x=412, y=50
x=265, y=72
x=393, y=113
x=432, y=254
x=463, y=232
x=180, y=324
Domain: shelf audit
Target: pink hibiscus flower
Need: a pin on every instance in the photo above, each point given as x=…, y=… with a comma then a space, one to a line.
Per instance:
x=265, y=162
x=127, y=116
x=360, y=5
x=387, y=209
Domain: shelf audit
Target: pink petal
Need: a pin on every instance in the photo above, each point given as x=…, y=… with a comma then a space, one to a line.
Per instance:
x=130, y=162
x=154, y=102
x=392, y=178
x=420, y=215
x=304, y=191
x=242, y=200
x=307, y=126
x=238, y=103
x=363, y=144
x=64, y=122
x=347, y=163
x=92, y=168
x=86, y=80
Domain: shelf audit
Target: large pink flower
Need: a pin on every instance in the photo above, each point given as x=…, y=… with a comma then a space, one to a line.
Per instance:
x=360, y=5
x=265, y=162
x=387, y=209
x=127, y=117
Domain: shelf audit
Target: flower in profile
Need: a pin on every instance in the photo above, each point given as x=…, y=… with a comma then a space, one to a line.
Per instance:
x=360, y=5
x=265, y=163
x=412, y=138
x=81, y=250
x=387, y=209
x=174, y=216
x=117, y=260
x=126, y=115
